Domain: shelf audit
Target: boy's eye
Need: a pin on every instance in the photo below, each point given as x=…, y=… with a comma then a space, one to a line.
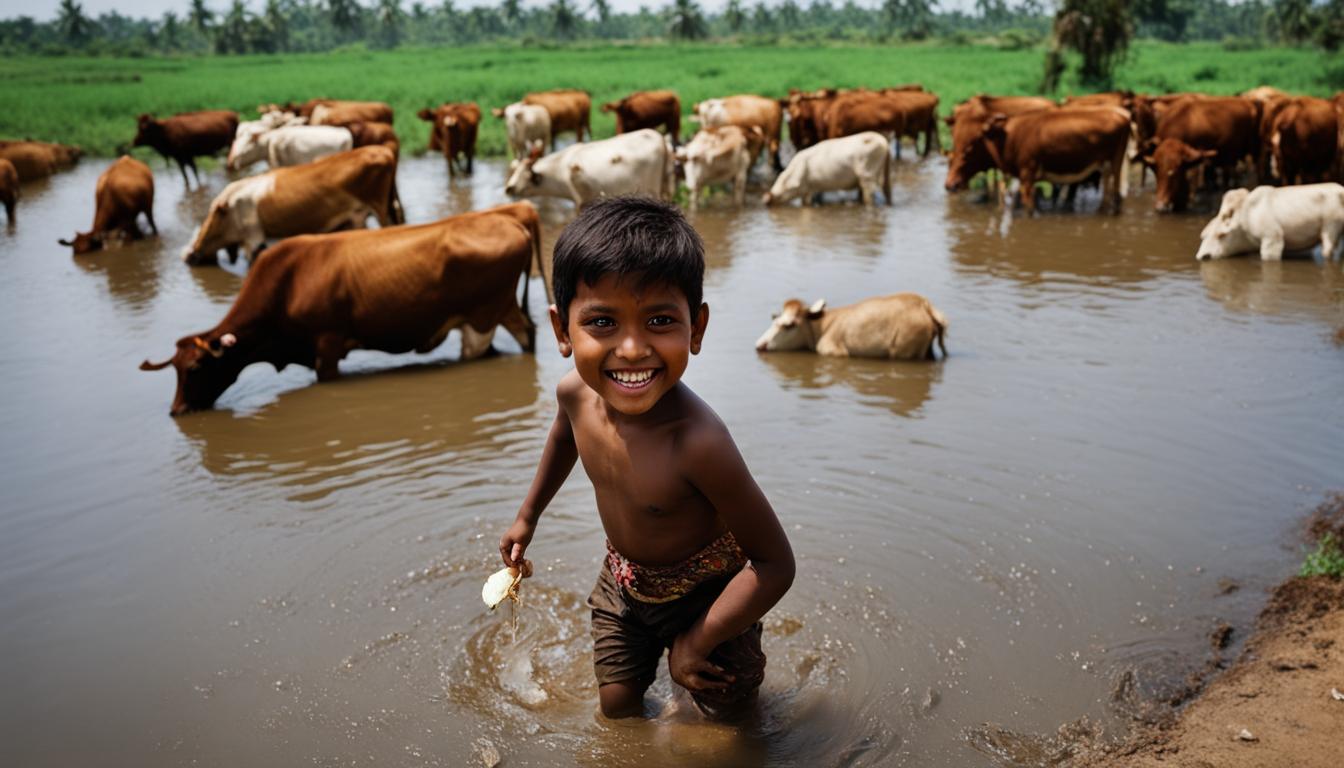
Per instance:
x=600, y=322
x=661, y=320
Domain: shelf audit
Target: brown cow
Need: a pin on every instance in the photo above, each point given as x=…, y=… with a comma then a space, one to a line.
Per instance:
x=369, y=134
x=1265, y=93
x=310, y=300
x=570, y=110
x=807, y=116
x=453, y=129
x=9, y=188
x=125, y=190
x=920, y=109
x=342, y=110
x=1304, y=140
x=648, y=109
x=862, y=110
x=1228, y=126
x=186, y=136
x=967, y=122
x=744, y=111
x=30, y=159
x=336, y=192
x=1062, y=146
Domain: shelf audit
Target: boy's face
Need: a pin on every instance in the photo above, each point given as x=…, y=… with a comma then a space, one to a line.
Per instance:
x=630, y=342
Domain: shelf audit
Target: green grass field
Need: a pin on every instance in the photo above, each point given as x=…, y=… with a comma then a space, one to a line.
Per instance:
x=93, y=102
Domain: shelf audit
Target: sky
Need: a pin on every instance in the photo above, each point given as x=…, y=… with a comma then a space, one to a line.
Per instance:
x=45, y=10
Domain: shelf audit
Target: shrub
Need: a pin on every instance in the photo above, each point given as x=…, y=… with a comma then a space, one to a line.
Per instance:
x=1236, y=43
x=1206, y=72
x=1327, y=560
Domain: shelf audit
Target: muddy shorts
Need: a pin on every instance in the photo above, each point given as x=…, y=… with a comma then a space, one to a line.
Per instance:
x=629, y=638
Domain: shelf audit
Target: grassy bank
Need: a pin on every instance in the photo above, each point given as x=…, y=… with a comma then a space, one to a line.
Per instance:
x=93, y=102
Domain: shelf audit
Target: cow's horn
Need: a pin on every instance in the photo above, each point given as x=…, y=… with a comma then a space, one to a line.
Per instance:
x=817, y=307
x=148, y=366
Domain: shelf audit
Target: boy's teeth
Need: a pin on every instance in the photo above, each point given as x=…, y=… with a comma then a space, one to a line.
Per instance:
x=632, y=377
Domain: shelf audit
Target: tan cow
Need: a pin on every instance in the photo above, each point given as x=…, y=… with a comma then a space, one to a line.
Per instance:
x=9, y=188
x=569, y=109
x=37, y=159
x=744, y=111
x=902, y=326
x=648, y=109
x=720, y=155
x=125, y=190
x=342, y=113
x=337, y=192
x=862, y=160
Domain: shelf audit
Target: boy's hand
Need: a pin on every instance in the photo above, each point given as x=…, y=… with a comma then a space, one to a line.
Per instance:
x=514, y=543
x=692, y=670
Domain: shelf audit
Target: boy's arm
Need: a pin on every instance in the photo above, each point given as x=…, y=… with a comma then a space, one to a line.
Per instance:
x=714, y=466
x=557, y=460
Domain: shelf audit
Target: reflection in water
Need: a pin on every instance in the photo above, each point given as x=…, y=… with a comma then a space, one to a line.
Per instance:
x=900, y=386
x=1275, y=288
x=131, y=272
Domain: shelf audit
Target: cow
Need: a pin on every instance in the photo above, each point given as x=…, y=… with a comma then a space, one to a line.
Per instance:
x=337, y=192
x=125, y=190
x=968, y=119
x=637, y=163
x=335, y=112
x=852, y=161
x=309, y=300
x=919, y=116
x=1225, y=130
x=290, y=145
x=525, y=125
x=369, y=134
x=31, y=160
x=648, y=109
x=569, y=110
x=1273, y=220
x=807, y=116
x=1122, y=99
x=1148, y=110
x=1265, y=93
x=717, y=156
x=744, y=111
x=1304, y=140
x=1063, y=146
x=863, y=110
x=902, y=326
x=9, y=189
x=453, y=129
x=186, y=136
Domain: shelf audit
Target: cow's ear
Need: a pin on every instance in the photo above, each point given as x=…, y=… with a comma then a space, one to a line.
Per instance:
x=995, y=125
x=950, y=120
x=497, y=112
x=425, y=114
x=817, y=309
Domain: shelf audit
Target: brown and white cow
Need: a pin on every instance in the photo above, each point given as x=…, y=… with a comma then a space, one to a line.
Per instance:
x=570, y=110
x=744, y=111
x=310, y=300
x=1062, y=146
x=525, y=125
x=453, y=129
x=9, y=189
x=1226, y=131
x=338, y=112
x=648, y=109
x=337, y=192
x=1304, y=140
x=902, y=326
x=720, y=155
x=125, y=190
x=186, y=136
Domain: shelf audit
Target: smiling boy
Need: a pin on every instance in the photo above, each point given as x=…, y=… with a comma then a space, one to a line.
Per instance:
x=695, y=554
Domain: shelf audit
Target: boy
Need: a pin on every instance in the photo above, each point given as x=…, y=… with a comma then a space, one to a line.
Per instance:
x=695, y=554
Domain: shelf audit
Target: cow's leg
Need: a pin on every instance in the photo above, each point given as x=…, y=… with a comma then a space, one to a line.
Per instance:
x=1271, y=244
x=1028, y=182
x=520, y=327
x=181, y=166
x=149, y=216
x=866, y=191
x=1330, y=238
x=194, y=171
x=474, y=343
x=330, y=350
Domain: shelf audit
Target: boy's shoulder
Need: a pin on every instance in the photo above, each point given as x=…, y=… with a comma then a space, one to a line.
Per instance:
x=570, y=387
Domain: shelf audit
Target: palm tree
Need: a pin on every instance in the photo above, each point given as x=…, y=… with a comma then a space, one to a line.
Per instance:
x=231, y=36
x=170, y=31
x=276, y=22
x=389, y=20
x=761, y=19
x=74, y=25
x=564, y=18
x=734, y=16
x=512, y=11
x=1294, y=19
x=789, y=15
x=344, y=15
x=1100, y=30
x=685, y=21
x=200, y=17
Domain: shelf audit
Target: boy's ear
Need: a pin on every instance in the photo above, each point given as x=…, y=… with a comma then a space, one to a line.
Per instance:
x=561, y=332
x=698, y=328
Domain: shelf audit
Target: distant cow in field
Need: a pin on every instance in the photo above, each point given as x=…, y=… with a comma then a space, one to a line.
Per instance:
x=638, y=163
x=525, y=125
x=310, y=300
x=453, y=129
x=186, y=136
x=648, y=109
x=1275, y=220
x=125, y=190
x=902, y=326
x=862, y=161
x=9, y=189
x=569, y=110
x=720, y=155
x=337, y=192
x=745, y=111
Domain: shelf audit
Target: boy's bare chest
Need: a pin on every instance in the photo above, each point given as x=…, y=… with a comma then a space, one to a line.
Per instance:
x=641, y=468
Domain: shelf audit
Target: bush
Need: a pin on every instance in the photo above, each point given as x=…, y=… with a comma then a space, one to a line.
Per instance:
x=1206, y=72
x=1327, y=560
x=1017, y=39
x=1235, y=43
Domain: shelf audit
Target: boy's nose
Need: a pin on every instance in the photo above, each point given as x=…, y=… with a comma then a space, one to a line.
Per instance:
x=633, y=347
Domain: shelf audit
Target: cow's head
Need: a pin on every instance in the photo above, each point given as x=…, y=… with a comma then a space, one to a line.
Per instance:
x=427, y=115
x=611, y=106
x=247, y=147
x=1224, y=235
x=219, y=231
x=148, y=130
x=206, y=364
x=525, y=178
x=792, y=328
x=498, y=112
x=1172, y=161
x=85, y=242
x=971, y=148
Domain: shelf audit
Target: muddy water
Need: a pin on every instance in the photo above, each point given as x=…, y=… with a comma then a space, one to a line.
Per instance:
x=985, y=545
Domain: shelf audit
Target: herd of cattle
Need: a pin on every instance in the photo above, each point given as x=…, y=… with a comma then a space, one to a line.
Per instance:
x=329, y=285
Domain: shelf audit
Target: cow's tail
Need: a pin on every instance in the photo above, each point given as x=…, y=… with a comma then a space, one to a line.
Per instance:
x=940, y=324
x=534, y=229
x=394, y=209
x=886, y=175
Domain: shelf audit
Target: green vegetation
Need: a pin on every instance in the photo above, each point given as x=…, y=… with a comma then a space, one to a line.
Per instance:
x=1327, y=560
x=94, y=101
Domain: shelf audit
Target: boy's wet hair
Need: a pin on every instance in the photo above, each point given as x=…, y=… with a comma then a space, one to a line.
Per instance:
x=627, y=236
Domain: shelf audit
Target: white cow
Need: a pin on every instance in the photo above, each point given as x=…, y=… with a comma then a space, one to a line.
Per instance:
x=1272, y=220
x=635, y=163
x=720, y=156
x=903, y=326
x=525, y=124
x=291, y=145
x=859, y=161
x=249, y=130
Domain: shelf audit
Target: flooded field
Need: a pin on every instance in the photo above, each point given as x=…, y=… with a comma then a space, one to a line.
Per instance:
x=985, y=545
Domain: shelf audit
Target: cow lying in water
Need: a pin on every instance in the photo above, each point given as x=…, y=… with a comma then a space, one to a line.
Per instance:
x=125, y=190
x=902, y=326
x=1273, y=220
x=309, y=300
